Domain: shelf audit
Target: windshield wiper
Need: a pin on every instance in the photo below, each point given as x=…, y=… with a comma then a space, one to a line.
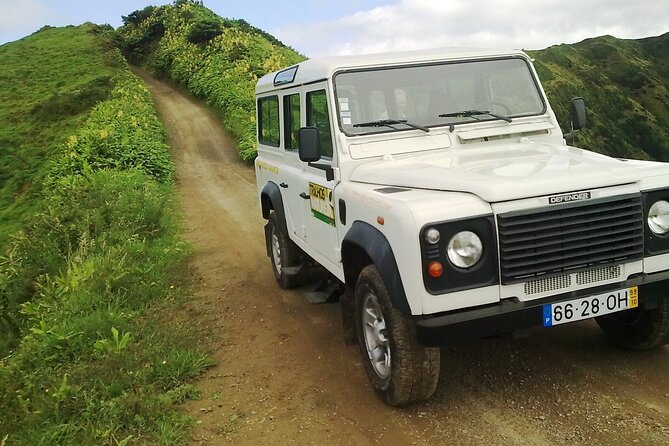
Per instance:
x=474, y=114
x=390, y=123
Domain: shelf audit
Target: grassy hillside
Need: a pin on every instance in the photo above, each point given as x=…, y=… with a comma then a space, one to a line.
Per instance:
x=626, y=87
x=48, y=83
x=217, y=59
x=90, y=258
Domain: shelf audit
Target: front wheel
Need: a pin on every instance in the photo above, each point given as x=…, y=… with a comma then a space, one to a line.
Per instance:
x=400, y=369
x=638, y=329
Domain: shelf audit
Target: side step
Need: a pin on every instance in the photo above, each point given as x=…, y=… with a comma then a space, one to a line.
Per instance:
x=327, y=291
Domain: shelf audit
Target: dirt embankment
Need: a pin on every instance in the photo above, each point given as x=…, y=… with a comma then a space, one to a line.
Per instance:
x=284, y=375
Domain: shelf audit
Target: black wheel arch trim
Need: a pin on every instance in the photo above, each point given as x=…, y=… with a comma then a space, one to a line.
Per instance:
x=378, y=249
x=271, y=199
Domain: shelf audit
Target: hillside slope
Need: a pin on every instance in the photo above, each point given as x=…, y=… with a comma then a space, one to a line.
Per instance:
x=219, y=60
x=48, y=83
x=91, y=260
x=626, y=87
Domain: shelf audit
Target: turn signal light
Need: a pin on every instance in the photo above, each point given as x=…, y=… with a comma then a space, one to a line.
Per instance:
x=435, y=269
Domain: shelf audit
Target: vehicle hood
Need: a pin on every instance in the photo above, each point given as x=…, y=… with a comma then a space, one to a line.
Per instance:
x=500, y=172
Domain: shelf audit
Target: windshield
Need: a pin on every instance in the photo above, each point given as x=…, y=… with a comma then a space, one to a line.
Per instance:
x=494, y=89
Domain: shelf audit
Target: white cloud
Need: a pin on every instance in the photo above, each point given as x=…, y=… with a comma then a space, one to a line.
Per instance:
x=23, y=16
x=414, y=24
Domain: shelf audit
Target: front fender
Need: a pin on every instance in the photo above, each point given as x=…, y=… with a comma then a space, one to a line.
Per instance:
x=271, y=199
x=362, y=237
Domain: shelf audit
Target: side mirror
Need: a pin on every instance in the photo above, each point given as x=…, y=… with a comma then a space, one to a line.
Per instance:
x=576, y=119
x=577, y=113
x=309, y=144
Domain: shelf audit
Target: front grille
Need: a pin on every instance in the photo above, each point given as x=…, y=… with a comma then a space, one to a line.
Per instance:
x=562, y=281
x=547, y=284
x=574, y=237
x=598, y=275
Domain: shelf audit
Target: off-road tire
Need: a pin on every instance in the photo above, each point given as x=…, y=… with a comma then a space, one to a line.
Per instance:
x=638, y=329
x=414, y=368
x=289, y=253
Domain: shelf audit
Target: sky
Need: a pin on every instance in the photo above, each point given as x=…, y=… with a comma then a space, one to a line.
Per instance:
x=331, y=27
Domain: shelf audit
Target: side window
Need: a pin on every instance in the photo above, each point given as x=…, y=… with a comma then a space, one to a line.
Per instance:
x=268, y=121
x=291, y=120
x=317, y=116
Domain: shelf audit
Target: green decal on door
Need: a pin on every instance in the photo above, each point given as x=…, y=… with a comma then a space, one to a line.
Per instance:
x=322, y=203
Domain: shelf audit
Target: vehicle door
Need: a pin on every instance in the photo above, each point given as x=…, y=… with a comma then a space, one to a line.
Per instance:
x=317, y=191
x=292, y=183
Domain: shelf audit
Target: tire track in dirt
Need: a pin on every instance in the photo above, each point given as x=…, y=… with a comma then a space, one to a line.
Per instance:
x=284, y=375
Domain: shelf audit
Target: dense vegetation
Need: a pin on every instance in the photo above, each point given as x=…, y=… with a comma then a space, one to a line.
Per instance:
x=626, y=87
x=90, y=247
x=219, y=60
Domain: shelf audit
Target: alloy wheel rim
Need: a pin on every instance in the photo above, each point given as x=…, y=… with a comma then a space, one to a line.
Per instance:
x=376, y=338
x=276, y=252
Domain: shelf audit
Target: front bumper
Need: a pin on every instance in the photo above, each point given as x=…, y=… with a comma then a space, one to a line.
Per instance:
x=512, y=315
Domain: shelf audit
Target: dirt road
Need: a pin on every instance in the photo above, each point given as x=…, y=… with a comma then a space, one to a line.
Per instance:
x=284, y=375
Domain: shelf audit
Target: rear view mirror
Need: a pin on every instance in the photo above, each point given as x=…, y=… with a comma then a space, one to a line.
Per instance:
x=576, y=118
x=577, y=113
x=309, y=144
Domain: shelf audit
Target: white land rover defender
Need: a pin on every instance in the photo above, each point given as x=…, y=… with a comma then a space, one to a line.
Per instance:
x=437, y=190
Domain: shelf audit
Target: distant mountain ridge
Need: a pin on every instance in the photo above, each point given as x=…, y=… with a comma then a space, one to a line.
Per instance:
x=626, y=87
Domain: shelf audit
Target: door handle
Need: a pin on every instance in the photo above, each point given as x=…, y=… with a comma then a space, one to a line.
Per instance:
x=284, y=185
x=305, y=196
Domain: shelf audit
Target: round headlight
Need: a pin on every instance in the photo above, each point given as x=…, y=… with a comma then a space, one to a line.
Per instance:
x=432, y=236
x=465, y=249
x=658, y=217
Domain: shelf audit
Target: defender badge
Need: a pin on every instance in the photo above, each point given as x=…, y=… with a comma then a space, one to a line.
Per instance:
x=566, y=198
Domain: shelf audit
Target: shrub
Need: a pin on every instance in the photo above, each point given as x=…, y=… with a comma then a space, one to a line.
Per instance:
x=120, y=133
x=138, y=16
x=204, y=30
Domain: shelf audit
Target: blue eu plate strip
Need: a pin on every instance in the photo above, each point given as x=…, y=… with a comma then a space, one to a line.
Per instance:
x=548, y=316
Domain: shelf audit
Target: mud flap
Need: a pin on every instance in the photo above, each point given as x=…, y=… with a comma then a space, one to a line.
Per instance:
x=347, y=305
x=268, y=239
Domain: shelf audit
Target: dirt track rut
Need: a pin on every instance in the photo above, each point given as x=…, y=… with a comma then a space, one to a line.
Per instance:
x=284, y=375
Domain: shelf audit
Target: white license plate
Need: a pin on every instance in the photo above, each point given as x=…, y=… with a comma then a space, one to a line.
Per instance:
x=587, y=307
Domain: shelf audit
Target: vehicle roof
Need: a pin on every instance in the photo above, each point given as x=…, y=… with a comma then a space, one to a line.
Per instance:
x=313, y=70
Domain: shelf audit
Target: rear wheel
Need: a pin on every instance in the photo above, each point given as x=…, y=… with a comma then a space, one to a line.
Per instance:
x=286, y=256
x=401, y=370
x=638, y=329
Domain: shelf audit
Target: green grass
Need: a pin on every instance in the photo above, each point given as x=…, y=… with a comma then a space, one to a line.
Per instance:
x=91, y=348
x=48, y=83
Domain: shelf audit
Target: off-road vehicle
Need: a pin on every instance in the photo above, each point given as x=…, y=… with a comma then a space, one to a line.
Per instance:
x=437, y=190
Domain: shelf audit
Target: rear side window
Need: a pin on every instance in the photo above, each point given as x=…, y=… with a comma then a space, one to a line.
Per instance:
x=317, y=116
x=268, y=121
x=291, y=120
